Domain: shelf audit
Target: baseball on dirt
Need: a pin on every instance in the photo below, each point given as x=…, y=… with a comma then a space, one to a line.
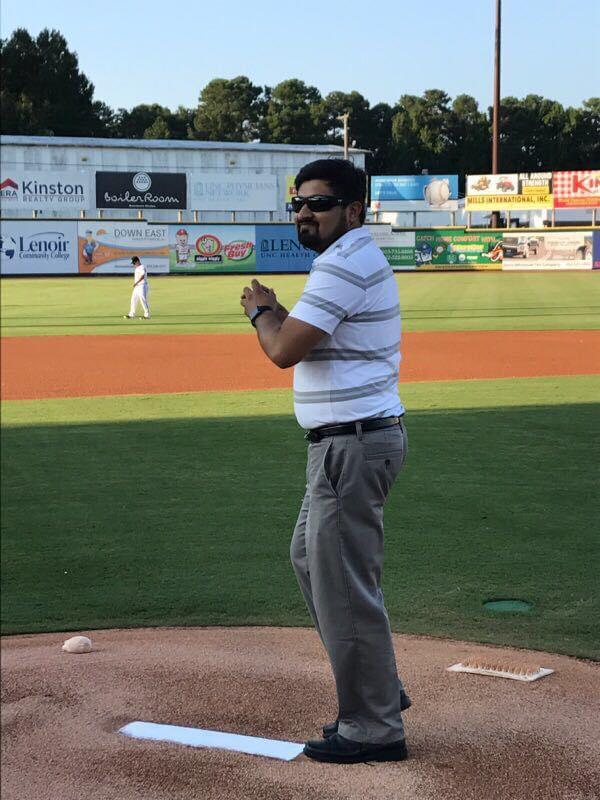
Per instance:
x=77, y=644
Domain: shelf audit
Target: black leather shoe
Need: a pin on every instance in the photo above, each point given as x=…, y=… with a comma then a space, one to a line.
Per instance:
x=338, y=750
x=332, y=727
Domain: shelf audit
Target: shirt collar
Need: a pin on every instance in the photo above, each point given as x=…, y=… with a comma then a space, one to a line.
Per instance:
x=348, y=238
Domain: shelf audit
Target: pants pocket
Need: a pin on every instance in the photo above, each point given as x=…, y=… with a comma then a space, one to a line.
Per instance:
x=384, y=457
x=391, y=444
x=333, y=466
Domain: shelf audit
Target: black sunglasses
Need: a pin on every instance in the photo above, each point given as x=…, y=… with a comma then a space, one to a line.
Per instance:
x=316, y=202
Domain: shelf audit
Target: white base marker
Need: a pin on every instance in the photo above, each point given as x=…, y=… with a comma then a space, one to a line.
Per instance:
x=197, y=737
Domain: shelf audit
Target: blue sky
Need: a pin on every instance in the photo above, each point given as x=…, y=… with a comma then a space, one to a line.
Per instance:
x=144, y=51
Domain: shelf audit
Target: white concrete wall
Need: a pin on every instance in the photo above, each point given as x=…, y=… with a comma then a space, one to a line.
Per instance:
x=64, y=153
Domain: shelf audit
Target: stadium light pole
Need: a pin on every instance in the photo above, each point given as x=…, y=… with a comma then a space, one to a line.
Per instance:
x=496, y=112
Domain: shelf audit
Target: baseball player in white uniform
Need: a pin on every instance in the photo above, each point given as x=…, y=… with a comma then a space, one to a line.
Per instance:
x=140, y=289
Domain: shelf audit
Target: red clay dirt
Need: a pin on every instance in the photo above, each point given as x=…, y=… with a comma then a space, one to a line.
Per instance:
x=36, y=367
x=469, y=737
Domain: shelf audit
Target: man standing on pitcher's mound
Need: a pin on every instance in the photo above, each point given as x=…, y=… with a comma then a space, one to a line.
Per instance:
x=343, y=338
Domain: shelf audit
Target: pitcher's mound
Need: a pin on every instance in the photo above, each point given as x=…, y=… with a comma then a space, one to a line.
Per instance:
x=470, y=737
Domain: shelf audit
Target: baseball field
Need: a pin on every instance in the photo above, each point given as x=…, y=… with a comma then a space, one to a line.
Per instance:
x=152, y=473
x=153, y=469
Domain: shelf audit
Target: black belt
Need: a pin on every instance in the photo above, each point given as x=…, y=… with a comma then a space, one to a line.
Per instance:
x=348, y=428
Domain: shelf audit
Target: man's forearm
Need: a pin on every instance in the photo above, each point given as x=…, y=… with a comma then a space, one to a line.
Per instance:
x=268, y=326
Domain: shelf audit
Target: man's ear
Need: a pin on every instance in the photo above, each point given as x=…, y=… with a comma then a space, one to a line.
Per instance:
x=354, y=211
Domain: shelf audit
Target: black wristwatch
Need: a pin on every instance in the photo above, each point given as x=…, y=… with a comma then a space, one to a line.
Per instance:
x=254, y=315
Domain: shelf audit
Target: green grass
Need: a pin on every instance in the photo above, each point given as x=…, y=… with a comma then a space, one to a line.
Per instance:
x=420, y=396
x=203, y=304
x=184, y=515
x=178, y=509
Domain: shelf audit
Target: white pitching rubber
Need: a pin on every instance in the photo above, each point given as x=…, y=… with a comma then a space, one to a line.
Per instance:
x=199, y=737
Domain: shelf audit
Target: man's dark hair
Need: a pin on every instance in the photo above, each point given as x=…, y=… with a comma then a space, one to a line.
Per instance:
x=345, y=179
x=135, y=260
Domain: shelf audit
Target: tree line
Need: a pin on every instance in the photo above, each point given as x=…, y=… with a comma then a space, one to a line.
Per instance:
x=45, y=93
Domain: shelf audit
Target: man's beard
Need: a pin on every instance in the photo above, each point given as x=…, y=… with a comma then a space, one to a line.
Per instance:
x=311, y=238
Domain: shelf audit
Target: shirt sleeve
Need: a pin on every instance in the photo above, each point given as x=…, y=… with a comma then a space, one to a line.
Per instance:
x=331, y=294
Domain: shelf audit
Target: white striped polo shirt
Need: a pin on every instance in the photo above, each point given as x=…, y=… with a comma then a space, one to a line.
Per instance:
x=352, y=373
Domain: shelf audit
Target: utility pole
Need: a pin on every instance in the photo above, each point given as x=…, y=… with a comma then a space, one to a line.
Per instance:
x=344, y=118
x=496, y=113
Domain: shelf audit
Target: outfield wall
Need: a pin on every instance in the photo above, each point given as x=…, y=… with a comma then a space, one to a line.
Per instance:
x=94, y=247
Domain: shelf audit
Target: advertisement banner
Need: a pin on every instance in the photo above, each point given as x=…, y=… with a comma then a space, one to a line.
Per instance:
x=141, y=190
x=524, y=190
x=211, y=248
x=109, y=246
x=29, y=247
x=414, y=192
x=561, y=250
x=596, y=253
x=577, y=189
x=397, y=246
x=443, y=249
x=278, y=249
x=38, y=190
x=225, y=191
x=290, y=191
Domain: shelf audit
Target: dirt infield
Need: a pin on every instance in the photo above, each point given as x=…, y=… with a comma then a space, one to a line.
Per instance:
x=88, y=366
x=469, y=737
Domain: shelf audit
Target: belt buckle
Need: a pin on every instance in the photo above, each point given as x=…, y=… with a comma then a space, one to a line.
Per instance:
x=313, y=436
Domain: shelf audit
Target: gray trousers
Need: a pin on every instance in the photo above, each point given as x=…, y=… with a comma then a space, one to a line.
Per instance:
x=337, y=555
